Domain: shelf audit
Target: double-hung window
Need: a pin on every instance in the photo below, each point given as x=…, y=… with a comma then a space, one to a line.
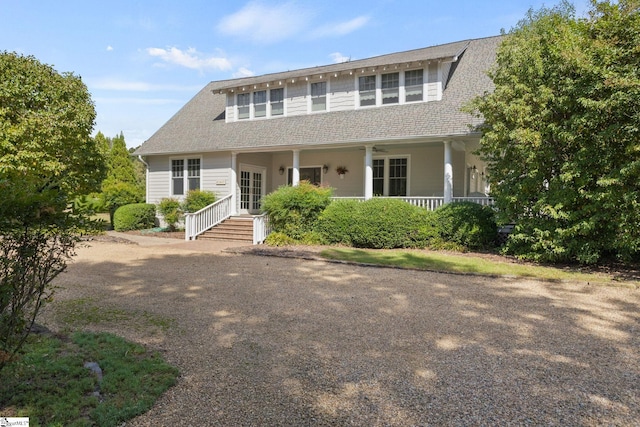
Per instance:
x=182, y=178
x=244, y=101
x=413, y=87
x=390, y=84
x=260, y=103
x=319, y=96
x=390, y=176
x=367, y=89
x=277, y=101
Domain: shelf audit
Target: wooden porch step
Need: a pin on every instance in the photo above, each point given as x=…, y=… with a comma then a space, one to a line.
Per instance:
x=234, y=228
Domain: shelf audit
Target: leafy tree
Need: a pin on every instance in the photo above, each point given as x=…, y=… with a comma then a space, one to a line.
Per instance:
x=47, y=158
x=122, y=185
x=561, y=133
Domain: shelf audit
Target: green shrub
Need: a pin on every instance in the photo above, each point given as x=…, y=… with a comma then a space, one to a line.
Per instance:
x=389, y=223
x=336, y=221
x=138, y=216
x=294, y=210
x=89, y=204
x=279, y=239
x=197, y=199
x=171, y=211
x=467, y=224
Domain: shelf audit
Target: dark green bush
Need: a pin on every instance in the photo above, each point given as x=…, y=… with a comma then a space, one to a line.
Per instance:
x=294, y=210
x=138, y=216
x=336, y=221
x=390, y=223
x=171, y=211
x=467, y=224
x=197, y=199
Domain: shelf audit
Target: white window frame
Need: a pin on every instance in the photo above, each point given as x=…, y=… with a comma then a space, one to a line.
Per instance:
x=310, y=109
x=270, y=103
x=290, y=172
x=396, y=88
x=253, y=114
x=387, y=159
x=185, y=174
x=375, y=91
x=424, y=89
x=238, y=106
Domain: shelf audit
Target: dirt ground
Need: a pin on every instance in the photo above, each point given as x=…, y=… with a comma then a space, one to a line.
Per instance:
x=276, y=341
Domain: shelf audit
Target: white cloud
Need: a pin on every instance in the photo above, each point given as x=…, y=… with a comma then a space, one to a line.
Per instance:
x=338, y=58
x=109, y=48
x=131, y=86
x=262, y=23
x=190, y=58
x=340, y=28
x=243, y=72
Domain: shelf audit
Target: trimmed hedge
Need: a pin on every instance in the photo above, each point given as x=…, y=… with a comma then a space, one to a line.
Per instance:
x=171, y=211
x=376, y=223
x=137, y=216
x=468, y=224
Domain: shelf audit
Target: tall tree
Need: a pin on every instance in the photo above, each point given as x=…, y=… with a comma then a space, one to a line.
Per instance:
x=561, y=133
x=47, y=158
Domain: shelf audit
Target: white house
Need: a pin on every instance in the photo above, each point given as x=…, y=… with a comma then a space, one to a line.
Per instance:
x=393, y=121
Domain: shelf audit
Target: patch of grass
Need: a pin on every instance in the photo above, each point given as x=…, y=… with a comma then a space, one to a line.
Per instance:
x=50, y=385
x=83, y=312
x=465, y=263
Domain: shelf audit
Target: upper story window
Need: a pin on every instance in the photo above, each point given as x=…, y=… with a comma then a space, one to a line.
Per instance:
x=367, y=88
x=390, y=84
x=276, y=99
x=413, y=87
x=260, y=103
x=319, y=96
x=244, y=101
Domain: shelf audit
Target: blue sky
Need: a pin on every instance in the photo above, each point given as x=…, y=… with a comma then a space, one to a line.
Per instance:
x=143, y=60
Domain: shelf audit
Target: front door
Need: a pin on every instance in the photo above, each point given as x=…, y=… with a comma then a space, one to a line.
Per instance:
x=251, y=188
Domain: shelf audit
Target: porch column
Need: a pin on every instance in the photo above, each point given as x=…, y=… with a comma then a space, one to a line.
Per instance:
x=448, y=173
x=234, y=183
x=295, y=179
x=368, y=172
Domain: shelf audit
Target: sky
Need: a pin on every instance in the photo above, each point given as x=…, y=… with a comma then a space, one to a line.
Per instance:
x=143, y=60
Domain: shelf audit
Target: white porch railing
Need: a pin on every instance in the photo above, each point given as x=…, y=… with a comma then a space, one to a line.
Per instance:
x=430, y=203
x=261, y=228
x=198, y=222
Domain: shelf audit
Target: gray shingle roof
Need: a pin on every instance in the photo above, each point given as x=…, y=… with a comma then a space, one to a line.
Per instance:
x=200, y=126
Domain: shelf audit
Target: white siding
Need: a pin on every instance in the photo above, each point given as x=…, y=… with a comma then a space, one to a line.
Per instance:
x=342, y=89
x=434, y=83
x=230, y=113
x=215, y=175
x=297, y=98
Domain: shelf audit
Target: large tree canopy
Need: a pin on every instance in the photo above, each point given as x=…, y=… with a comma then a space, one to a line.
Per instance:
x=562, y=133
x=46, y=153
x=47, y=157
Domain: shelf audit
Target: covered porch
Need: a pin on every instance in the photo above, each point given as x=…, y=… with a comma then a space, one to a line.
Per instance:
x=427, y=174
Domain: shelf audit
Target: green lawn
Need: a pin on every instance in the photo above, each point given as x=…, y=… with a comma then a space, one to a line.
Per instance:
x=50, y=384
x=471, y=264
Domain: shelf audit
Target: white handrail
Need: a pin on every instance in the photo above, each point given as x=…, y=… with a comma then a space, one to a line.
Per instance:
x=261, y=228
x=430, y=203
x=198, y=222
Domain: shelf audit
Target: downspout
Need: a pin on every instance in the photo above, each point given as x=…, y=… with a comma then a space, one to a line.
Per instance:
x=146, y=178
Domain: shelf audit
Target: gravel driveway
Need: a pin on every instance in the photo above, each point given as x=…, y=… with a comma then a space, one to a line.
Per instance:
x=264, y=341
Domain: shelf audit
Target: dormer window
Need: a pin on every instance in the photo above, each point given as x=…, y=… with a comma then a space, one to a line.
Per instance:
x=244, y=101
x=277, y=101
x=367, y=89
x=260, y=103
x=390, y=88
x=413, y=82
x=319, y=96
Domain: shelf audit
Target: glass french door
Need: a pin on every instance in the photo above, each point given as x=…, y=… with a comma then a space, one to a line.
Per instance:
x=251, y=189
